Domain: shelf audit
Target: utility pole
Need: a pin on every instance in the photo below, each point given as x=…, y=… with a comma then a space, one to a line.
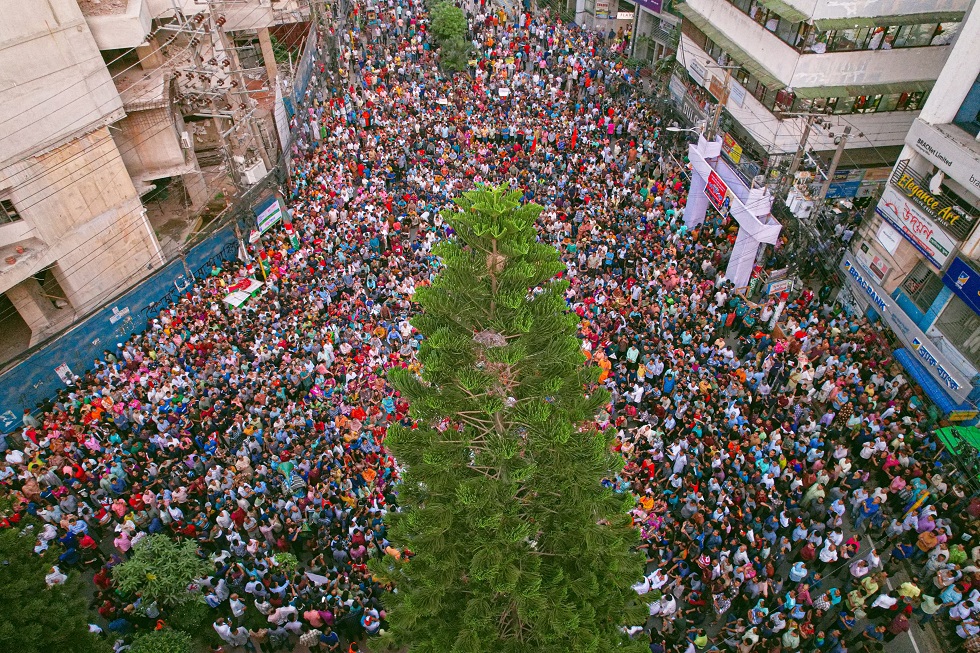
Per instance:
x=798, y=159
x=722, y=101
x=229, y=155
x=245, y=103
x=833, y=166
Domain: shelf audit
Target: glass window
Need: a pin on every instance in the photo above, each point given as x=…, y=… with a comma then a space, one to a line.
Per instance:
x=867, y=103
x=922, y=286
x=788, y=32
x=8, y=212
x=877, y=40
x=889, y=102
x=851, y=39
x=817, y=42
x=743, y=5
x=764, y=95
x=968, y=115
x=844, y=105
x=824, y=104
x=961, y=326
x=910, y=36
x=945, y=33
x=802, y=105
x=784, y=100
x=910, y=101
x=714, y=50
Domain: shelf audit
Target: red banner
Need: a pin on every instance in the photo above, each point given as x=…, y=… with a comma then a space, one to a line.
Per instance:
x=716, y=189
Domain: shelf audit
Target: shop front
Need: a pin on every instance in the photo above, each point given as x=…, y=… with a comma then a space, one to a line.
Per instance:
x=942, y=381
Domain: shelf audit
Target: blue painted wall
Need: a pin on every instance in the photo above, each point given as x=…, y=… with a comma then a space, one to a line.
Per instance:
x=907, y=305
x=34, y=379
x=937, y=305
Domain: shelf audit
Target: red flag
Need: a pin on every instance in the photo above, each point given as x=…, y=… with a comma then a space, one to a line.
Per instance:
x=534, y=144
x=574, y=137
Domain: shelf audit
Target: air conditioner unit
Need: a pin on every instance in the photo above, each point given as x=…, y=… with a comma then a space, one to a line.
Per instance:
x=185, y=141
x=265, y=3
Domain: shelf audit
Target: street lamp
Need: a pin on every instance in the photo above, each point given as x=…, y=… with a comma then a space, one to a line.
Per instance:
x=698, y=131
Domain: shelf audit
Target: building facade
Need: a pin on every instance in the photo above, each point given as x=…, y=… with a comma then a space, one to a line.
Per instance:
x=867, y=64
x=72, y=228
x=105, y=103
x=918, y=257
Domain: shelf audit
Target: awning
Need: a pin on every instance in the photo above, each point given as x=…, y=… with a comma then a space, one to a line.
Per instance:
x=738, y=55
x=929, y=385
x=867, y=89
x=886, y=21
x=786, y=11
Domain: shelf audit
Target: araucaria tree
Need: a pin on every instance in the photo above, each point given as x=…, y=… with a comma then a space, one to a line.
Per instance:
x=517, y=546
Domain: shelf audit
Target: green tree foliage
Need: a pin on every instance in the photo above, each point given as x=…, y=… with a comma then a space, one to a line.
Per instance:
x=162, y=641
x=33, y=617
x=517, y=545
x=448, y=21
x=448, y=28
x=161, y=570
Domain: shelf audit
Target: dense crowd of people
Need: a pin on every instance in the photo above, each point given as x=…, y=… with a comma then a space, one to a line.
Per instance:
x=780, y=474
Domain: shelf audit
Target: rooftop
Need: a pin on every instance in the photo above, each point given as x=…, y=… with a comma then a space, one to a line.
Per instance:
x=102, y=7
x=143, y=89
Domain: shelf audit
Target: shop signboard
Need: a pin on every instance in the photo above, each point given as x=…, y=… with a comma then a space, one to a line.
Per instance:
x=736, y=93
x=656, y=6
x=677, y=88
x=731, y=149
x=934, y=243
x=602, y=8
x=946, y=154
x=871, y=294
x=698, y=72
x=937, y=206
x=964, y=281
x=717, y=88
x=845, y=184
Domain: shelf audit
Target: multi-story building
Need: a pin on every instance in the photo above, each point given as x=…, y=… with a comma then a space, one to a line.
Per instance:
x=105, y=102
x=867, y=64
x=917, y=263
x=655, y=31
x=72, y=228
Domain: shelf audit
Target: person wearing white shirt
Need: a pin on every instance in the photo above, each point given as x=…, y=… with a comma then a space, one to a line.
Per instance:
x=55, y=577
x=224, y=630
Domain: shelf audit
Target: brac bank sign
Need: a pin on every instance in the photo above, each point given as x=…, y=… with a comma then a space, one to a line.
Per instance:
x=855, y=276
x=956, y=385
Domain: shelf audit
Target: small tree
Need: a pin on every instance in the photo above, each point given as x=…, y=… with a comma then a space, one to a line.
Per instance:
x=517, y=545
x=448, y=21
x=161, y=570
x=33, y=617
x=449, y=30
x=162, y=641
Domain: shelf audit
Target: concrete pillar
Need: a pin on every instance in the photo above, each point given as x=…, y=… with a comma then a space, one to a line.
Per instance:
x=268, y=56
x=197, y=188
x=697, y=202
x=149, y=54
x=34, y=307
x=955, y=81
